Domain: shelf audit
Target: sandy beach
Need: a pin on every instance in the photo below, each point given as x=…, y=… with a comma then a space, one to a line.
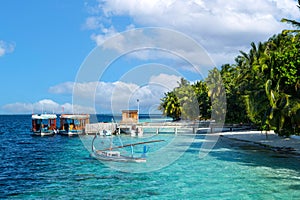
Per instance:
x=271, y=140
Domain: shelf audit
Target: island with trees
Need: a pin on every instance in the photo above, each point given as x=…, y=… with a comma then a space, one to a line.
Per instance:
x=262, y=87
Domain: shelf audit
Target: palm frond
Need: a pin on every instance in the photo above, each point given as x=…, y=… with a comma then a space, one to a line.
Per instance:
x=292, y=22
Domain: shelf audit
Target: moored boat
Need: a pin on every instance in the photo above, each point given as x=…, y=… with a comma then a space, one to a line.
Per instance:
x=105, y=132
x=111, y=154
x=73, y=125
x=44, y=124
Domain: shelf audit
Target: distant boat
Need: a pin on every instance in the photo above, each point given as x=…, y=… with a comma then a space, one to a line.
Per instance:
x=44, y=124
x=73, y=125
x=110, y=154
x=105, y=132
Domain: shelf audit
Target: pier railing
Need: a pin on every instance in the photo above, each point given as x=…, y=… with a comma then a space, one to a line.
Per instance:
x=98, y=127
x=158, y=127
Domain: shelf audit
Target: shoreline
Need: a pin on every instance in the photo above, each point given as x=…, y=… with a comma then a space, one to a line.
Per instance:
x=272, y=141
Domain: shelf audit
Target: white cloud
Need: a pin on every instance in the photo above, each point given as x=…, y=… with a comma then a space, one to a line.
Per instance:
x=18, y=107
x=63, y=88
x=160, y=44
x=112, y=97
x=93, y=23
x=45, y=106
x=223, y=27
x=107, y=97
x=105, y=34
x=6, y=47
x=166, y=81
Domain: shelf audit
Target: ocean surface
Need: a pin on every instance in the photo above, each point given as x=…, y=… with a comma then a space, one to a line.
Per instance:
x=60, y=167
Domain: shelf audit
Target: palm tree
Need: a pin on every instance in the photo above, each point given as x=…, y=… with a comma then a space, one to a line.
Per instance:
x=292, y=22
x=250, y=81
x=217, y=94
x=170, y=106
x=236, y=111
x=201, y=91
x=280, y=109
x=282, y=85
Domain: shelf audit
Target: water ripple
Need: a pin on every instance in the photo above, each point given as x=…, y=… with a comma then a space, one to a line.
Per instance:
x=60, y=168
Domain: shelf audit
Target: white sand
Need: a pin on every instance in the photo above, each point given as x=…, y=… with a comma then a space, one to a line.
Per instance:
x=272, y=140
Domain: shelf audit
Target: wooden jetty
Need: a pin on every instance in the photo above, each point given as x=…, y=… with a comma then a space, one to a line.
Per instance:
x=131, y=125
x=138, y=129
x=94, y=128
x=135, y=129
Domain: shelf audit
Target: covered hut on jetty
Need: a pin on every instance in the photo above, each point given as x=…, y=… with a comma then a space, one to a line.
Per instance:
x=129, y=121
x=129, y=116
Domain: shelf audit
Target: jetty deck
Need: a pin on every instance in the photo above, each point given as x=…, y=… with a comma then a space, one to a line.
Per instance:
x=158, y=127
x=98, y=127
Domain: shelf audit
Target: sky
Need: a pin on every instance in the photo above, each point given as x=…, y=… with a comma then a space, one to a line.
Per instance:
x=101, y=56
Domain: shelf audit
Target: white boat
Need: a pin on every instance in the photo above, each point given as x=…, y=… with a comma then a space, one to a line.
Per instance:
x=105, y=132
x=73, y=125
x=44, y=124
x=111, y=154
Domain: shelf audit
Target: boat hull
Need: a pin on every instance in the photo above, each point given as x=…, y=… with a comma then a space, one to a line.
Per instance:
x=70, y=133
x=120, y=158
x=42, y=133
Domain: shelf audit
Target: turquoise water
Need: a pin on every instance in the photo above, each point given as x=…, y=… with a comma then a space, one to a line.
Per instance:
x=61, y=168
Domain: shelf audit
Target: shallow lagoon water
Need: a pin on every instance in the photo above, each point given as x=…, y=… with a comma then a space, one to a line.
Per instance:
x=61, y=168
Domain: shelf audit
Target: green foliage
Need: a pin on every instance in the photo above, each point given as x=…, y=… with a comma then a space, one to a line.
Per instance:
x=187, y=101
x=270, y=81
x=292, y=22
x=284, y=110
x=262, y=86
x=201, y=91
x=170, y=106
x=235, y=112
x=217, y=94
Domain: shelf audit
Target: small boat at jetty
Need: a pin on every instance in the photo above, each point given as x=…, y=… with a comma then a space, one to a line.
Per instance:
x=105, y=133
x=44, y=124
x=73, y=125
x=111, y=154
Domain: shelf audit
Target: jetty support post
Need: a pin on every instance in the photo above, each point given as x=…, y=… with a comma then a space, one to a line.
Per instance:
x=211, y=129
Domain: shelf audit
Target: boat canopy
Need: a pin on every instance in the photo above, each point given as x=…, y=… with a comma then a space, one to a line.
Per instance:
x=44, y=116
x=84, y=116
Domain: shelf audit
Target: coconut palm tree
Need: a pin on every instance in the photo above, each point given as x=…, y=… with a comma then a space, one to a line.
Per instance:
x=294, y=23
x=201, y=91
x=217, y=94
x=170, y=106
x=282, y=86
x=250, y=81
x=188, y=101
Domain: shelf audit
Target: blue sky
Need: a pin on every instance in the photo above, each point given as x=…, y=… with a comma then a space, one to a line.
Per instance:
x=49, y=44
x=43, y=44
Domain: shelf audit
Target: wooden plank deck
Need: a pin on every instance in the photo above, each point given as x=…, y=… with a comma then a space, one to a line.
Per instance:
x=173, y=127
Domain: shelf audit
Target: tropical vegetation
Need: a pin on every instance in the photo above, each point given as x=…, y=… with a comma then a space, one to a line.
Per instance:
x=261, y=87
x=187, y=101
